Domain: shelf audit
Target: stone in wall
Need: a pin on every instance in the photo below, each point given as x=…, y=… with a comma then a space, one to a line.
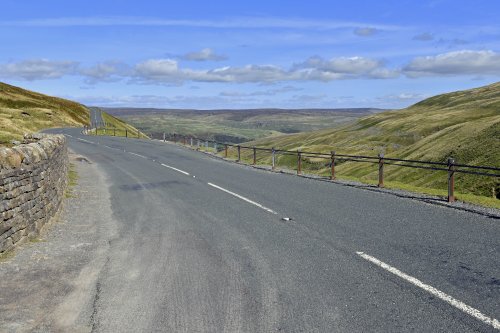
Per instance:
x=33, y=178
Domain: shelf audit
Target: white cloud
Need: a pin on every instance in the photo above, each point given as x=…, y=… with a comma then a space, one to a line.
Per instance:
x=313, y=69
x=168, y=71
x=205, y=54
x=365, y=31
x=347, y=67
x=465, y=62
x=108, y=71
x=37, y=69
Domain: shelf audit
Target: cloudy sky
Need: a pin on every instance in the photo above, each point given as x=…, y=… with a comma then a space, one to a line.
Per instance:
x=229, y=54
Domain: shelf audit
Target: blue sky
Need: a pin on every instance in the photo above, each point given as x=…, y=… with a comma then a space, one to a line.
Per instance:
x=230, y=54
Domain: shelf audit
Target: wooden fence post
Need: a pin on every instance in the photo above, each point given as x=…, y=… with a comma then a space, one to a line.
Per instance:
x=332, y=175
x=273, y=152
x=299, y=162
x=381, y=170
x=451, y=180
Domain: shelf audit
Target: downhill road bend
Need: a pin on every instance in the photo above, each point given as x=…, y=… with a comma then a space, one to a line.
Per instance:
x=96, y=119
x=202, y=247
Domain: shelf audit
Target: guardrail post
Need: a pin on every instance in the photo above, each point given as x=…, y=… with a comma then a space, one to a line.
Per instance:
x=215, y=147
x=381, y=170
x=451, y=180
x=225, y=151
x=126, y=133
x=273, y=152
x=332, y=175
x=254, y=155
x=239, y=153
x=206, y=145
x=299, y=162
x=164, y=137
x=191, y=141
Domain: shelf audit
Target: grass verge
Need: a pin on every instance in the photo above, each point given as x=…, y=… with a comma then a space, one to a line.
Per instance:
x=72, y=181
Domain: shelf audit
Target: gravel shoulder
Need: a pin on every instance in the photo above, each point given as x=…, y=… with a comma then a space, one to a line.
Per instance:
x=48, y=284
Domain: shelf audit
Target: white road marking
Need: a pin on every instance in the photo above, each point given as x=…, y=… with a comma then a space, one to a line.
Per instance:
x=495, y=323
x=178, y=170
x=137, y=155
x=85, y=140
x=243, y=198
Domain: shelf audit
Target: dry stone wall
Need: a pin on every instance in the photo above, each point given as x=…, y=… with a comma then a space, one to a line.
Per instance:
x=33, y=178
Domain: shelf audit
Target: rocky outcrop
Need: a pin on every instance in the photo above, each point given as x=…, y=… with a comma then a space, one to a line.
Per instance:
x=33, y=178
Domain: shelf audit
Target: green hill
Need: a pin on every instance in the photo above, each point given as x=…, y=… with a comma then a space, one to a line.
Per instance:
x=464, y=125
x=23, y=111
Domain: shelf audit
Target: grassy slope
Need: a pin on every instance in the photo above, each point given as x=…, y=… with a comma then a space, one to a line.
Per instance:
x=23, y=111
x=464, y=125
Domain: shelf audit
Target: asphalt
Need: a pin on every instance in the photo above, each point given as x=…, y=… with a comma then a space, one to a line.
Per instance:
x=96, y=119
x=190, y=257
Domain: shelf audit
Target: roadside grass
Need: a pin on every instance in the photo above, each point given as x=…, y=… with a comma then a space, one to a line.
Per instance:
x=7, y=255
x=320, y=167
x=72, y=181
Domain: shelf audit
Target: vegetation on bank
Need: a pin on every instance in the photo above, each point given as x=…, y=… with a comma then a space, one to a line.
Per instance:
x=23, y=111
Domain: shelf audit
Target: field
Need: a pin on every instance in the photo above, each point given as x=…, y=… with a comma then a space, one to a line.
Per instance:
x=236, y=126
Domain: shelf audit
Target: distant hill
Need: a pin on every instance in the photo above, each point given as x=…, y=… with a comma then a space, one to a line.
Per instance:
x=464, y=125
x=23, y=111
x=237, y=125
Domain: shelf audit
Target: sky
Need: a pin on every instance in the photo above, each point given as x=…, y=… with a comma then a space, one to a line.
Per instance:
x=249, y=54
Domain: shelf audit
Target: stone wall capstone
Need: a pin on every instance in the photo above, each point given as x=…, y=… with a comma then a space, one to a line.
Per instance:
x=33, y=178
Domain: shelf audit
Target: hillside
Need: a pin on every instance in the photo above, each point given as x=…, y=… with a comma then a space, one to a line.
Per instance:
x=464, y=125
x=23, y=111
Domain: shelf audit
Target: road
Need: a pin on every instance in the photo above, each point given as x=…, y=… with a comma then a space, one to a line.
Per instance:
x=96, y=119
x=202, y=246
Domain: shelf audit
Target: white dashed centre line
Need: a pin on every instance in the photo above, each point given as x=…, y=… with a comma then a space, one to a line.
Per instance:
x=178, y=170
x=85, y=140
x=244, y=199
x=437, y=293
x=137, y=155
